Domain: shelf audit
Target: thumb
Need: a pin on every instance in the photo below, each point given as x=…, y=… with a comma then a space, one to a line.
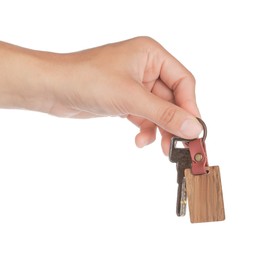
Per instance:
x=166, y=115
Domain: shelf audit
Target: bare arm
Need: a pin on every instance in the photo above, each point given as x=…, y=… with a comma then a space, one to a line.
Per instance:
x=137, y=79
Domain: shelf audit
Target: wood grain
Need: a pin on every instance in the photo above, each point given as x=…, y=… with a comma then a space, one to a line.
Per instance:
x=205, y=196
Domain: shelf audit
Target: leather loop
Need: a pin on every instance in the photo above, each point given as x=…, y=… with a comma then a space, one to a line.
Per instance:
x=198, y=156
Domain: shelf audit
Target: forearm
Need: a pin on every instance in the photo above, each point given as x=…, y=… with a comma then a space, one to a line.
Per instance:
x=25, y=76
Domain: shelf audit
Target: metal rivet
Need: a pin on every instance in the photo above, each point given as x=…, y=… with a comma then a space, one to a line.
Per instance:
x=198, y=157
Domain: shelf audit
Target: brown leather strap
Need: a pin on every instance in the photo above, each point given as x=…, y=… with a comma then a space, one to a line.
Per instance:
x=198, y=156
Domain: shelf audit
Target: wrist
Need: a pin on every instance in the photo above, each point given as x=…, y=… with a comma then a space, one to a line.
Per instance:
x=25, y=78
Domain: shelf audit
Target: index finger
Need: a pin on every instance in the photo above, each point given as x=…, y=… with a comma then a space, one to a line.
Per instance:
x=181, y=82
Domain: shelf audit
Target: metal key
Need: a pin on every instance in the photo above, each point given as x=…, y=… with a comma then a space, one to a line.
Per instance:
x=182, y=158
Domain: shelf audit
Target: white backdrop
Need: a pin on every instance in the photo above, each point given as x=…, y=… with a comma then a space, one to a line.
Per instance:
x=80, y=189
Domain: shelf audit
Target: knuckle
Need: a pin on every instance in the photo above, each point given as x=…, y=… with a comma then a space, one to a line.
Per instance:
x=167, y=116
x=145, y=40
x=191, y=79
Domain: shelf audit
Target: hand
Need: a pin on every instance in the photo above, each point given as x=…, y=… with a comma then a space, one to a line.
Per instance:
x=137, y=79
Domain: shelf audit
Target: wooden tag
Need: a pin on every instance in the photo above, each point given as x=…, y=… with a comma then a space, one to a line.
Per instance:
x=205, y=196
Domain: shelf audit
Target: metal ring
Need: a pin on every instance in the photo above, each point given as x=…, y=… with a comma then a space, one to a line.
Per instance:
x=204, y=127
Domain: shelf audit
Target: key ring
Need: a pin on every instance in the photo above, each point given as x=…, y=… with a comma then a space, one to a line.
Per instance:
x=204, y=128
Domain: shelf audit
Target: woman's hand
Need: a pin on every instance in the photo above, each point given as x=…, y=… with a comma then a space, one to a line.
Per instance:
x=137, y=79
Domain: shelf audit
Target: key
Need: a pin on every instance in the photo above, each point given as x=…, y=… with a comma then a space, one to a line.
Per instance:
x=182, y=158
x=198, y=183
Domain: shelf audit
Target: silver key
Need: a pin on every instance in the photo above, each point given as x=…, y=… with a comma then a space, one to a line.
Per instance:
x=180, y=156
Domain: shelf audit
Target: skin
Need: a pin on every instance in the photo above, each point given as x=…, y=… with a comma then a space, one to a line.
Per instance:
x=137, y=79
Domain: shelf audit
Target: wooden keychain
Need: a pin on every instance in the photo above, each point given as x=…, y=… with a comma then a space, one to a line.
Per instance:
x=203, y=182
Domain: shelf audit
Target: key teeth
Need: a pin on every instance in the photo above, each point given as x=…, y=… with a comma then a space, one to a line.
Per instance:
x=181, y=199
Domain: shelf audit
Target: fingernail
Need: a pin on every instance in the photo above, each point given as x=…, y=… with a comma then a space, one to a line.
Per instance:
x=191, y=128
x=143, y=142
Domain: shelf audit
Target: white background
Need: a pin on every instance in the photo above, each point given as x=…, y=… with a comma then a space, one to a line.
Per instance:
x=80, y=189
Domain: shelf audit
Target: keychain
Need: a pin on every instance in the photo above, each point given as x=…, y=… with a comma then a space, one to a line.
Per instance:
x=198, y=183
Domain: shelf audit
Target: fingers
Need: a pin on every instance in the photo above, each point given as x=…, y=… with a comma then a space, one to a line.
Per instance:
x=162, y=91
x=166, y=115
x=181, y=81
x=166, y=137
x=147, y=134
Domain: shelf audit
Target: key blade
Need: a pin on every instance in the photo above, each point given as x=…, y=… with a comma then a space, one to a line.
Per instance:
x=181, y=199
x=184, y=162
x=182, y=158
